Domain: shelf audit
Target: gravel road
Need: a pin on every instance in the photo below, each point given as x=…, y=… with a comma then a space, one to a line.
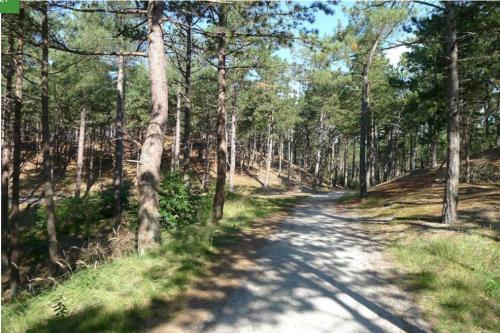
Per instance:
x=320, y=272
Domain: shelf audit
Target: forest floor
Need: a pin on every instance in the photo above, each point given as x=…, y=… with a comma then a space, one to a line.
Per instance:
x=452, y=270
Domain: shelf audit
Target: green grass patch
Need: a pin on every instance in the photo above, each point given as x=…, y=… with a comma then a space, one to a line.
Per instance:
x=456, y=279
x=132, y=292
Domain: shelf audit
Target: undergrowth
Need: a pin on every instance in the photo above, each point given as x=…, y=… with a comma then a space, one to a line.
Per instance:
x=130, y=293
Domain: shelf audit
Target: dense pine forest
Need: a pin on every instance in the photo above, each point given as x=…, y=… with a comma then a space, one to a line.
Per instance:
x=150, y=149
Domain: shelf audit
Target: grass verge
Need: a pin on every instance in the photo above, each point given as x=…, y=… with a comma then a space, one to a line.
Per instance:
x=126, y=294
x=452, y=271
x=456, y=278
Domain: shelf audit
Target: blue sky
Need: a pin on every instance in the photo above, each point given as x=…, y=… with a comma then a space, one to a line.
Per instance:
x=327, y=24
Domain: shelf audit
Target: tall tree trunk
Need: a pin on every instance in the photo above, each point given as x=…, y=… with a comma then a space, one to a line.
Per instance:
x=233, y=140
x=177, y=133
x=317, y=166
x=206, y=166
x=8, y=106
x=290, y=162
x=434, y=140
x=79, y=159
x=450, y=200
x=353, y=165
x=187, y=94
x=269, y=158
x=218, y=205
x=413, y=149
x=119, y=133
x=345, y=158
x=152, y=148
x=48, y=192
x=15, y=251
x=365, y=104
x=280, y=154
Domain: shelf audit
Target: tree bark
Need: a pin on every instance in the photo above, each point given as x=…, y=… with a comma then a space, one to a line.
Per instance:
x=233, y=140
x=48, y=192
x=345, y=158
x=15, y=251
x=450, y=200
x=79, y=159
x=177, y=133
x=290, y=159
x=119, y=133
x=8, y=106
x=187, y=94
x=365, y=104
x=434, y=141
x=218, y=204
x=269, y=157
x=152, y=148
x=317, y=166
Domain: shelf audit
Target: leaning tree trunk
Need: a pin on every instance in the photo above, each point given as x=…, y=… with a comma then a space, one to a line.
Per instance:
x=450, y=200
x=8, y=106
x=79, y=159
x=48, y=191
x=218, y=204
x=119, y=133
x=15, y=251
x=152, y=148
x=365, y=104
x=232, y=166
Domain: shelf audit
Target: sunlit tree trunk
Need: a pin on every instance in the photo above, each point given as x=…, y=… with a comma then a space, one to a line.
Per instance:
x=152, y=148
x=119, y=133
x=269, y=158
x=290, y=159
x=79, y=159
x=177, y=132
x=232, y=166
x=218, y=205
x=450, y=200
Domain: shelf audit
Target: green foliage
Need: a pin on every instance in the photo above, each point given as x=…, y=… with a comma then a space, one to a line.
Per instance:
x=76, y=216
x=180, y=204
x=119, y=296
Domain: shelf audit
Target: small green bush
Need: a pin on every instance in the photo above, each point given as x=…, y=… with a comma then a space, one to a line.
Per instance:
x=180, y=204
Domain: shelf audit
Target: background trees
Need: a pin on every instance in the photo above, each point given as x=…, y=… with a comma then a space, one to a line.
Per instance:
x=87, y=96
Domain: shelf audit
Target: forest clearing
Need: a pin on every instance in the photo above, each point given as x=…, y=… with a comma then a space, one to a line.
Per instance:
x=250, y=166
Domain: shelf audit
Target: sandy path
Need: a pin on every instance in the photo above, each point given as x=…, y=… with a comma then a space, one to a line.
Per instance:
x=319, y=272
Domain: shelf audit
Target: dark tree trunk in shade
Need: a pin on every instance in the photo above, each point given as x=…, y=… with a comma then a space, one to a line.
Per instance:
x=187, y=94
x=364, y=121
x=48, y=192
x=152, y=148
x=8, y=105
x=450, y=199
x=15, y=250
x=218, y=204
x=119, y=133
